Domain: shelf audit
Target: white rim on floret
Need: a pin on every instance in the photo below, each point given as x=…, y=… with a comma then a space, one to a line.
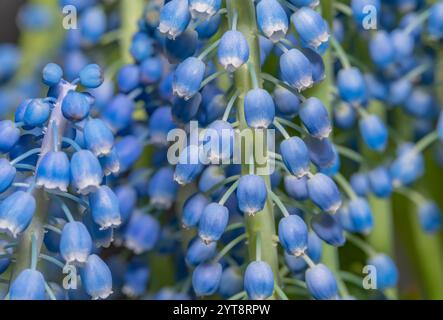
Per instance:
x=275, y=32
x=110, y=223
x=103, y=150
x=162, y=203
x=77, y=257
x=181, y=92
x=304, y=83
x=168, y=31
x=133, y=245
x=323, y=38
x=10, y=228
x=89, y=185
x=334, y=207
x=201, y=11
x=231, y=64
x=51, y=185
x=299, y=252
x=114, y=169
x=102, y=294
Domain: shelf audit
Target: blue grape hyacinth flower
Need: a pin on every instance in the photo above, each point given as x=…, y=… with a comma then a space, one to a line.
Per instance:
x=29, y=285
x=206, y=279
x=75, y=243
x=251, y=194
x=259, y=280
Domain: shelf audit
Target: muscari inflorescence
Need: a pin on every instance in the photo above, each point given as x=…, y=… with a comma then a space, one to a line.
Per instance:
x=87, y=184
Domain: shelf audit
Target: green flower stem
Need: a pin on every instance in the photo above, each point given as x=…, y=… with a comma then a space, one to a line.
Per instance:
x=129, y=12
x=323, y=91
x=37, y=227
x=263, y=222
x=163, y=266
x=382, y=236
x=426, y=249
x=34, y=43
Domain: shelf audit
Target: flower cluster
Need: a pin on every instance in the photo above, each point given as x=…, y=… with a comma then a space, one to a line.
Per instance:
x=87, y=178
x=44, y=160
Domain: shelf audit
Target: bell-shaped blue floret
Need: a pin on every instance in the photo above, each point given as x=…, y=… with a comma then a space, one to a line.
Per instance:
x=206, y=279
x=251, y=194
x=293, y=235
x=430, y=217
x=233, y=50
x=296, y=188
x=386, y=271
x=53, y=171
x=98, y=137
x=204, y=9
x=9, y=135
x=75, y=243
x=29, y=285
x=360, y=216
x=96, y=278
x=199, y=252
x=142, y=233
x=311, y=27
x=16, y=212
x=272, y=19
x=213, y=222
x=188, y=77
x=351, y=86
x=259, y=280
x=162, y=188
x=218, y=142
x=86, y=172
x=295, y=155
x=296, y=69
x=314, y=251
x=324, y=193
x=7, y=174
x=321, y=283
x=315, y=118
x=327, y=228
x=174, y=18
x=193, y=209
x=259, y=109
x=374, y=132
x=160, y=124
x=105, y=208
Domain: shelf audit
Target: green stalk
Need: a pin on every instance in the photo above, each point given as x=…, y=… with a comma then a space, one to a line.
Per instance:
x=34, y=43
x=162, y=266
x=424, y=250
x=382, y=236
x=35, y=49
x=323, y=91
x=263, y=222
x=130, y=12
x=24, y=249
x=36, y=228
x=427, y=249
